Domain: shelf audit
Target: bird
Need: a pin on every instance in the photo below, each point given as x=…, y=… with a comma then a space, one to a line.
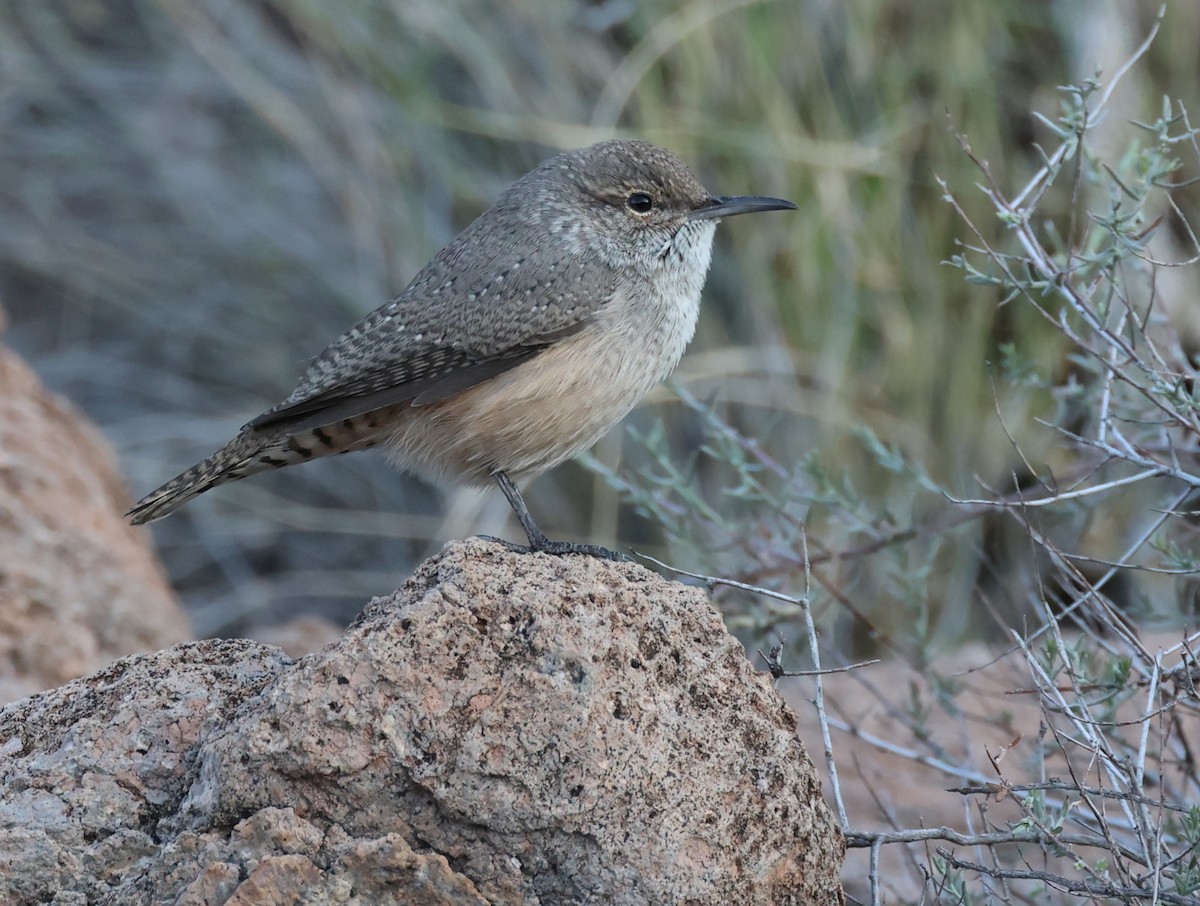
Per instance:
x=539, y=327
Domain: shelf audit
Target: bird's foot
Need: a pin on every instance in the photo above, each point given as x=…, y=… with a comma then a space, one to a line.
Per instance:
x=538, y=542
x=563, y=548
x=544, y=545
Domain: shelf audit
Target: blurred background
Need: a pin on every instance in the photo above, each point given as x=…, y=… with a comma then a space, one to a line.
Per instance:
x=196, y=196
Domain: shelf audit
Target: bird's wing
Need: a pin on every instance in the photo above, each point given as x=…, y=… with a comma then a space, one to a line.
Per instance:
x=459, y=323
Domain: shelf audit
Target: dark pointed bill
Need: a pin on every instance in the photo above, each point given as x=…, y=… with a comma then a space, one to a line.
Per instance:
x=728, y=205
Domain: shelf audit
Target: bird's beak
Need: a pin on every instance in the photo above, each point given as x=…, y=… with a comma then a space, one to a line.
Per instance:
x=727, y=206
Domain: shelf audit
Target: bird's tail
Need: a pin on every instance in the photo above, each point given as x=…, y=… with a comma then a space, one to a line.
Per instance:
x=250, y=452
x=242, y=456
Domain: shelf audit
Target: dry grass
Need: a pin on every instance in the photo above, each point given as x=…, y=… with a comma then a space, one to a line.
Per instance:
x=198, y=196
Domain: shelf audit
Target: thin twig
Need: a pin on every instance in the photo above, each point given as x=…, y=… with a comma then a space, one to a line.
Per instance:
x=1071, y=885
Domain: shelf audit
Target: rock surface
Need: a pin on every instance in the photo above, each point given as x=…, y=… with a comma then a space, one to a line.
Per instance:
x=78, y=586
x=504, y=729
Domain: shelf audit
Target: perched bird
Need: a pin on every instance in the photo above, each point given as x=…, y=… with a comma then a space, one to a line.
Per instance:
x=518, y=346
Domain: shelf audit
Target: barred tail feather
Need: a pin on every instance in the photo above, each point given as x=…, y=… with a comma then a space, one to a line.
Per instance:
x=251, y=452
x=241, y=457
x=167, y=499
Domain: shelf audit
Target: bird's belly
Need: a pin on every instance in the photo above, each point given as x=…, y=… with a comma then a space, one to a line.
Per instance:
x=540, y=413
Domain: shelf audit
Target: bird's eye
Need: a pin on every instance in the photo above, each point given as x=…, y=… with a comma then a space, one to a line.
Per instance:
x=640, y=203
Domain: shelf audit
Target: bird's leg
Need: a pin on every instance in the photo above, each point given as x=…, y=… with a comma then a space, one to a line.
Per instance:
x=538, y=541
